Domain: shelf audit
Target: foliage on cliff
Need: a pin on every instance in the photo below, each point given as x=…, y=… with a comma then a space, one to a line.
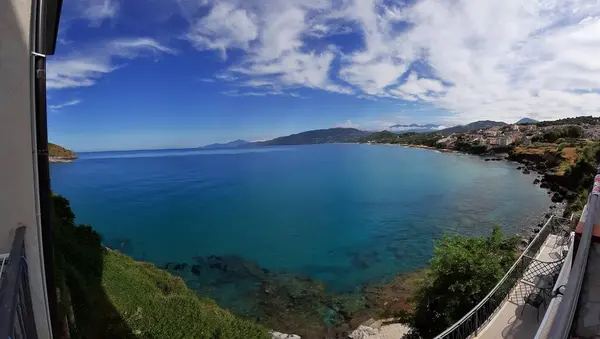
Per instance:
x=105, y=294
x=571, y=132
x=461, y=273
x=412, y=138
x=57, y=151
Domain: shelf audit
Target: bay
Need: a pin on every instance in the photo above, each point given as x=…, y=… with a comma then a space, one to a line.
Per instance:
x=344, y=214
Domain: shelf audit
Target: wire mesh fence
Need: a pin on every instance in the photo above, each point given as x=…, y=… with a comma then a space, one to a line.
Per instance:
x=512, y=287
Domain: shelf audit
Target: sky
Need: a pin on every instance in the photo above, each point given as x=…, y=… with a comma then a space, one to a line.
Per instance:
x=142, y=74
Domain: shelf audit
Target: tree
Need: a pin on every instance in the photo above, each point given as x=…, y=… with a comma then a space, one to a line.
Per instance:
x=461, y=273
x=574, y=132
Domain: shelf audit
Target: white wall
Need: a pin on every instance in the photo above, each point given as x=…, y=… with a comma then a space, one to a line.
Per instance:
x=18, y=203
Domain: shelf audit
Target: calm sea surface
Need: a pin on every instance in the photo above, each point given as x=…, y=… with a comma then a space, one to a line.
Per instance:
x=345, y=214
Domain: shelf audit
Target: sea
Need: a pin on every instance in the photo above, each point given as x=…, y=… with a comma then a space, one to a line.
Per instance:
x=344, y=214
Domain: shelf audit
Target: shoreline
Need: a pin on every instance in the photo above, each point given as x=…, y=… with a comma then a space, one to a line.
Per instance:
x=55, y=160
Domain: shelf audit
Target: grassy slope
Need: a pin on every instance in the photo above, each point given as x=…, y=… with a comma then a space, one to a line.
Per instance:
x=156, y=304
x=55, y=150
x=106, y=294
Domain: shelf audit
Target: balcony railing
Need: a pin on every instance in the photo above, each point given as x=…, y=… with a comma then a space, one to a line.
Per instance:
x=480, y=315
x=16, y=311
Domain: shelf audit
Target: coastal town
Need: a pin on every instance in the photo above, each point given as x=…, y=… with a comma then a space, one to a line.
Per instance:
x=521, y=134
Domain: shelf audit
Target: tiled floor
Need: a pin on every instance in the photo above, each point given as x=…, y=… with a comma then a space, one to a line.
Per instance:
x=588, y=320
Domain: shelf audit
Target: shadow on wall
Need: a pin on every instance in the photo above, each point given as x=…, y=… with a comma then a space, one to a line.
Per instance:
x=84, y=308
x=15, y=180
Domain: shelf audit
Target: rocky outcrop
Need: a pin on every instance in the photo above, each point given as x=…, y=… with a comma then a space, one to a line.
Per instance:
x=364, y=332
x=279, y=335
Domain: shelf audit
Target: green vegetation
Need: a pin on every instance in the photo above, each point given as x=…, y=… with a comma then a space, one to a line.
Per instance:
x=570, y=121
x=555, y=135
x=412, y=138
x=320, y=136
x=57, y=151
x=461, y=273
x=580, y=176
x=105, y=294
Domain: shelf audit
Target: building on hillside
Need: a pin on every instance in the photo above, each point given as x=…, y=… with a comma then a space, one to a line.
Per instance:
x=505, y=140
x=526, y=141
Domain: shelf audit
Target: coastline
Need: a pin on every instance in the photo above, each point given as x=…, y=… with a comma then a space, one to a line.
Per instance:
x=292, y=302
x=54, y=160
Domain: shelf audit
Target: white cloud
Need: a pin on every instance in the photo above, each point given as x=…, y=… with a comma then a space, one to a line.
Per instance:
x=272, y=34
x=97, y=11
x=475, y=59
x=348, y=124
x=86, y=67
x=65, y=104
x=238, y=93
x=223, y=28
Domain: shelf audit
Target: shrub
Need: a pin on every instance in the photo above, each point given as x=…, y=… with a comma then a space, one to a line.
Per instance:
x=462, y=272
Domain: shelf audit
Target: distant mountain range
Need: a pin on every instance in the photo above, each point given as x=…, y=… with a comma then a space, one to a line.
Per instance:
x=471, y=127
x=320, y=136
x=340, y=134
x=526, y=121
x=231, y=144
x=417, y=128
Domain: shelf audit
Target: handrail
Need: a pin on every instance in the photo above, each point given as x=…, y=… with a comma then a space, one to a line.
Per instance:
x=561, y=327
x=15, y=298
x=474, y=310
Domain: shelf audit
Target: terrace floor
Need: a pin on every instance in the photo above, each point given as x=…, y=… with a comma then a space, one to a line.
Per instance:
x=508, y=322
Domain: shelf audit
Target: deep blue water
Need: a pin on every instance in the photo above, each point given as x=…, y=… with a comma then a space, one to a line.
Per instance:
x=347, y=214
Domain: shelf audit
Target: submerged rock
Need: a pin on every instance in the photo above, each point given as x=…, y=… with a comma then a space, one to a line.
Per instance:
x=557, y=197
x=196, y=270
x=180, y=267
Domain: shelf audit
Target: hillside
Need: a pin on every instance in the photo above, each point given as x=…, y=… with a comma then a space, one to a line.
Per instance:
x=320, y=136
x=59, y=152
x=231, y=144
x=526, y=121
x=590, y=120
x=106, y=294
x=411, y=138
x=471, y=127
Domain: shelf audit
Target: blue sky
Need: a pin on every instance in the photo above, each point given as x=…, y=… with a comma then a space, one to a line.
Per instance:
x=183, y=73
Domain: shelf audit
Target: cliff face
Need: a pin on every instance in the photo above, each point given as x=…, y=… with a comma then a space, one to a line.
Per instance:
x=58, y=153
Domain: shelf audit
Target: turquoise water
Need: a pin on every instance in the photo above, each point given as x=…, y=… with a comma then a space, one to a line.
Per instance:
x=345, y=214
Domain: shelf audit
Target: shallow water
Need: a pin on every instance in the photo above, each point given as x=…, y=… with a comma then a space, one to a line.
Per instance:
x=344, y=214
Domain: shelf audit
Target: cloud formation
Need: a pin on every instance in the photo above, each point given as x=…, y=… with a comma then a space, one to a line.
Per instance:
x=84, y=68
x=97, y=11
x=475, y=59
x=65, y=104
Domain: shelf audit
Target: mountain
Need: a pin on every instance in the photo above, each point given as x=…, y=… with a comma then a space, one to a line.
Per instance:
x=231, y=144
x=319, y=136
x=428, y=126
x=526, y=121
x=472, y=126
x=416, y=128
x=59, y=154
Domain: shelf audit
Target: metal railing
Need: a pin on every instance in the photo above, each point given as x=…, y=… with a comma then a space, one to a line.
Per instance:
x=16, y=309
x=479, y=316
x=561, y=327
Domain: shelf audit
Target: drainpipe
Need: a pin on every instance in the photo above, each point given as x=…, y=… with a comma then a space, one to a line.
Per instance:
x=45, y=19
